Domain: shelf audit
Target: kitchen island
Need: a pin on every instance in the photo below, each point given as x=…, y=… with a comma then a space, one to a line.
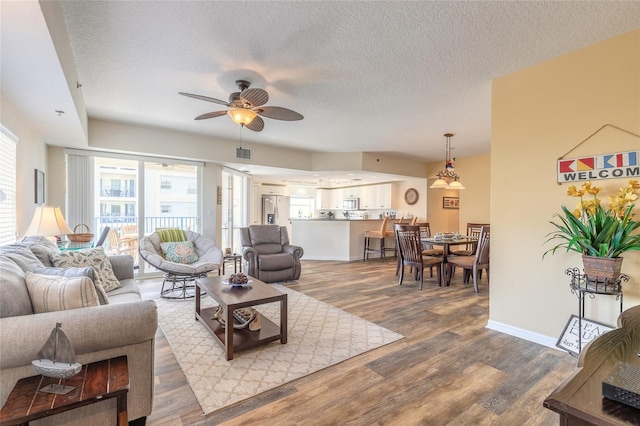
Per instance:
x=334, y=239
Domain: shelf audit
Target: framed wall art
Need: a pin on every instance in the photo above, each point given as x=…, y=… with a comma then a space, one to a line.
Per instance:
x=39, y=179
x=570, y=335
x=450, y=202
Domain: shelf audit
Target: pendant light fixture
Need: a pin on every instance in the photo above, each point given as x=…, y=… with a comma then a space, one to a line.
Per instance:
x=447, y=178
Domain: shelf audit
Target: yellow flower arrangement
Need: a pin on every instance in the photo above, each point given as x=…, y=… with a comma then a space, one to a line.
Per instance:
x=595, y=231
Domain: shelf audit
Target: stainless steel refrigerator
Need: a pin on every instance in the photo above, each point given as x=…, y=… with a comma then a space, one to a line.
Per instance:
x=276, y=210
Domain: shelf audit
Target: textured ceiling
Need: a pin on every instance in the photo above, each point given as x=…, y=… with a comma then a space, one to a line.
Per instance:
x=367, y=76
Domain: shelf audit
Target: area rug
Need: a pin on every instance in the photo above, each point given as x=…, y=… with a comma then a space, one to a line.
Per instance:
x=319, y=336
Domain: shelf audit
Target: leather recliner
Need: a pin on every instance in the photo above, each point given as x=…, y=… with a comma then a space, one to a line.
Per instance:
x=269, y=255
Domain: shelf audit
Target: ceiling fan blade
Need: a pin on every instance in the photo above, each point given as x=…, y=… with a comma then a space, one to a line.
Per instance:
x=211, y=115
x=279, y=113
x=255, y=97
x=257, y=124
x=204, y=98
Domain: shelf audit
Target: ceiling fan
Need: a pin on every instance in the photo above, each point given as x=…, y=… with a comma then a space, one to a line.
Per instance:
x=247, y=107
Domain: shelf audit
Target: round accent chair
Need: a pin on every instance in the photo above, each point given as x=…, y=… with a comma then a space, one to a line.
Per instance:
x=181, y=276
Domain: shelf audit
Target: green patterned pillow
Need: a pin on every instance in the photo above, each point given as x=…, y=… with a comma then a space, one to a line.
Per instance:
x=49, y=293
x=95, y=257
x=179, y=252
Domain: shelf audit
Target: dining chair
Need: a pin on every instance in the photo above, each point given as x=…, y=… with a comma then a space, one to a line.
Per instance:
x=428, y=249
x=380, y=235
x=410, y=249
x=476, y=263
x=473, y=230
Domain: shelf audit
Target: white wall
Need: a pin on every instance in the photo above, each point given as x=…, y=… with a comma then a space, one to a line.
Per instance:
x=31, y=154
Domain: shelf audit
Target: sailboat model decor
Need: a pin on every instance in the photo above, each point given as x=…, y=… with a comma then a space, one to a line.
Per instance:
x=57, y=359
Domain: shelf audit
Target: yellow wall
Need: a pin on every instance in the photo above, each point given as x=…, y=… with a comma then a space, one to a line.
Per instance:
x=538, y=114
x=474, y=199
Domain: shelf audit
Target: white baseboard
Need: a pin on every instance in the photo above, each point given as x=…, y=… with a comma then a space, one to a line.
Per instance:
x=523, y=334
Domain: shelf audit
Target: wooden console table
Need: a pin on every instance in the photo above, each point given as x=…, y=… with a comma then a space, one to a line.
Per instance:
x=96, y=382
x=579, y=399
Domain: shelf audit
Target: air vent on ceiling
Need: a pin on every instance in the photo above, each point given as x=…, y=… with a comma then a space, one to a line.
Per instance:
x=243, y=153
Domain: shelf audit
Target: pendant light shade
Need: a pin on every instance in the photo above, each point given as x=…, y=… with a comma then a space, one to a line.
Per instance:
x=242, y=116
x=447, y=178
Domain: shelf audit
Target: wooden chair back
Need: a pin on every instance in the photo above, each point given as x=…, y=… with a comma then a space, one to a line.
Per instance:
x=484, y=242
x=410, y=247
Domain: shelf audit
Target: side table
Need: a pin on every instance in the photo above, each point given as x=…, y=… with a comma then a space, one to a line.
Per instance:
x=581, y=286
x=234, y=258
x=96, y=382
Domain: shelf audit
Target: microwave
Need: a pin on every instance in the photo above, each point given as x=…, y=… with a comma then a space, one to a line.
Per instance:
x=351, y=204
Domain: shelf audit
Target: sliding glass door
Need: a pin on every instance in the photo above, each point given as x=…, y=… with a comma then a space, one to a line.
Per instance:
x=235, y=208
x=133, y=197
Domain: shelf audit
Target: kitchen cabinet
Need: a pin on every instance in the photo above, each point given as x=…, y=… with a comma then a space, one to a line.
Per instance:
x=274, y=190
x=376, y=196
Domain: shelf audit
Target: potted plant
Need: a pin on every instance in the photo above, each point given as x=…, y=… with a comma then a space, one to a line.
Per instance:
x=600, y=235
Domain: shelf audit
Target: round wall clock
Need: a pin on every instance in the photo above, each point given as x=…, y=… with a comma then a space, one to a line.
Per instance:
x=411, y=196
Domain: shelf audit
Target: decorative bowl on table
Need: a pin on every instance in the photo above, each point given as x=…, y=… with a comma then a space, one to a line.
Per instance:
x=237, y=280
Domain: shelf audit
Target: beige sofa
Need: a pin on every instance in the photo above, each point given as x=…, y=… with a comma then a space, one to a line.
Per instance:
x=125, y=326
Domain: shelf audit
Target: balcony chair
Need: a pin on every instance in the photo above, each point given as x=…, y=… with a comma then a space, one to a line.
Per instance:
x=119, y=245
x=269, y=255
x=181, y=276
x=410, y=251
x=473, y=265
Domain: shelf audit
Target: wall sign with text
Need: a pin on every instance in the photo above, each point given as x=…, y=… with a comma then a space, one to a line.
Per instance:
x=624, y=165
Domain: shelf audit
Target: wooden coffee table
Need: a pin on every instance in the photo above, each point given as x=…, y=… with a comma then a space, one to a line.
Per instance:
x=96, y=382
x=231, y=298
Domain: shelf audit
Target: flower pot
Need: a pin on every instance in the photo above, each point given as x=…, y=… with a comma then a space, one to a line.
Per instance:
x=602, y=269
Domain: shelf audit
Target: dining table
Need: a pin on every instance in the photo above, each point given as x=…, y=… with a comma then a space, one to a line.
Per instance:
x=446, y=242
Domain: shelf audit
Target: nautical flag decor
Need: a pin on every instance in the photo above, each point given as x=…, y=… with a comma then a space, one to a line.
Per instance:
x=607, y=166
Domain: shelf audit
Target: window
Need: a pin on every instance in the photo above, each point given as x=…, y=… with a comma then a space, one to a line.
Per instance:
x=165, y=183
x=165, y=208
x=8, y=226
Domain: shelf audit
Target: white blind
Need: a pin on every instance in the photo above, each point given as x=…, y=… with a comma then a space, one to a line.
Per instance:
x=8, y=142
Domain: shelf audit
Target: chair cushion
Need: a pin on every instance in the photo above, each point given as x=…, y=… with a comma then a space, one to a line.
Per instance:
x=276, y=262
x=51, y=293
x=96, y=258
x=179, y=252
x=265, y=235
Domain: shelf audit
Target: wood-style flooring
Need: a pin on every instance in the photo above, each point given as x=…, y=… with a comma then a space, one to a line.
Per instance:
x=448, y=370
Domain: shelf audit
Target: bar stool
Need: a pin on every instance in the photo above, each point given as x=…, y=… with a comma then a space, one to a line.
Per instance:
x=377, y=235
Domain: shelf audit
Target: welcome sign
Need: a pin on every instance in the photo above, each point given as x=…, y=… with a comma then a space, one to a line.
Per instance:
x=606, y=166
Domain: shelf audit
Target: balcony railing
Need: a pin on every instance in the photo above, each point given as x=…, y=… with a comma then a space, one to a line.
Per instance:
x=117, y=192
x=188, y=223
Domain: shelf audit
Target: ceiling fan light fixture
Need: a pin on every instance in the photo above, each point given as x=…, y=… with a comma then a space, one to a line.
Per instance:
x=242, y=116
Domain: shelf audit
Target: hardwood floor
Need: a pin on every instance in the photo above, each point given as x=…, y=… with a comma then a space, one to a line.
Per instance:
x=448, y=370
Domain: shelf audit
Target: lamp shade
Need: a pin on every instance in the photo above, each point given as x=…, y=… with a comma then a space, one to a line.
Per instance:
x=455, y=185
x=242, y=116
x=439, y=184
x=49, y=222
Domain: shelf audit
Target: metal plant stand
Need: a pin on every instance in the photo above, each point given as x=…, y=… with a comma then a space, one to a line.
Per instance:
x=581, y=285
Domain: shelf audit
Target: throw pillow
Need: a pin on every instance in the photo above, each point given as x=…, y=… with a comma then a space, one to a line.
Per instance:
x=76, y=272
x=179, y=252
x=168, y=235
x=95, y=257
x=49, y=293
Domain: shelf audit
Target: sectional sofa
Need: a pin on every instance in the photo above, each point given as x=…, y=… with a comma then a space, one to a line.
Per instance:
x=125, y=326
